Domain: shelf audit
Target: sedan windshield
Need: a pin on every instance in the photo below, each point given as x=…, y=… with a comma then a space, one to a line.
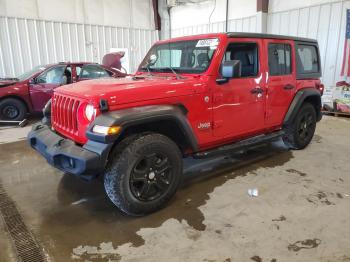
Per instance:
x=192, y=56
x=31, y=72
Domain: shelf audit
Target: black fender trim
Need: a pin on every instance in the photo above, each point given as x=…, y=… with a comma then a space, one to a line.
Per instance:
x=143, y=115
x=297, y=102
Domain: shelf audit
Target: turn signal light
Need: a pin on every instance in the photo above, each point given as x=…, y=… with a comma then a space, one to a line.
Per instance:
x=106, y=130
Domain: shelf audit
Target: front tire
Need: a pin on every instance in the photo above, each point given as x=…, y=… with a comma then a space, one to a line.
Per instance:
x=143, y=174
x=300, y=133
x=12, y=109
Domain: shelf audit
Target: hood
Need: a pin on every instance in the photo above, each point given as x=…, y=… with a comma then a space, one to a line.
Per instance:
x=129, y=89
x=7, y=81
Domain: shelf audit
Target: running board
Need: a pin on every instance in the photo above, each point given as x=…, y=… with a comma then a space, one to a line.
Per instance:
x=246, y=143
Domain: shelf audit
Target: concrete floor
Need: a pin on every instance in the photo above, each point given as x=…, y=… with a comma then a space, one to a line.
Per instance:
x=301, y=213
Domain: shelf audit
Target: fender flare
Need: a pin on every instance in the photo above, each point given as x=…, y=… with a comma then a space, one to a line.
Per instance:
x=297, y=102
x=142, y=115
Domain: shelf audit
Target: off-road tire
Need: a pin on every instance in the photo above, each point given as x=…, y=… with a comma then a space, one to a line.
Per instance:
x=12, y=109
x=293, y=133
x=124, y=160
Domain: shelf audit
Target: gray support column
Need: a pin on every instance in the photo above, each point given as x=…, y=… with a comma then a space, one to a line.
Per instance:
x=163, y=10
x=262, y=11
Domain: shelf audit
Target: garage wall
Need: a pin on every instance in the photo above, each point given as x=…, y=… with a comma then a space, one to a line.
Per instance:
x=246, y=24
x=326, y=22
x=34, y=32
x=209, y=16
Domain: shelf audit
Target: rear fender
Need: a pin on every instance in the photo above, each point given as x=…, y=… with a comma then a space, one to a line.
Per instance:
x=304, y=95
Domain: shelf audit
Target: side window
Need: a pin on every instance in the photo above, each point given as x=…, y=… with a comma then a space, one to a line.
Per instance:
x=279, y=59
x=247, y=53
x=52, y=76
x=93, y=71
x=308, y=59
x=78, y=70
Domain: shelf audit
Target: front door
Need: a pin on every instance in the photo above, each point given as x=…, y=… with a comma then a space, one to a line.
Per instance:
x=239, y=104
x=281, y=80
x=42, y=88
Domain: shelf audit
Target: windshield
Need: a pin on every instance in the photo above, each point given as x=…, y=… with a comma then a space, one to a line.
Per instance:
x=183, y=57
x=31, y=72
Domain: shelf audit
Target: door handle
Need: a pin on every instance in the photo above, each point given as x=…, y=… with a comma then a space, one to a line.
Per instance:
x=288, y=87
x=256, y=91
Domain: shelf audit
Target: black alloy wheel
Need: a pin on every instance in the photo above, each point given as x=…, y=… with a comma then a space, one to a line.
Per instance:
x=150, y=177
x=143, y=173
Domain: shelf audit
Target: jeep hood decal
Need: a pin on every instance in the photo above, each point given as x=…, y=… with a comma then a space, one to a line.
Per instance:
x=127, y=90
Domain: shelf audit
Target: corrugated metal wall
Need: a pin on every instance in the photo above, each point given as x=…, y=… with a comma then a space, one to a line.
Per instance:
x=247, y=24
x=25, y=43
x=326, y=23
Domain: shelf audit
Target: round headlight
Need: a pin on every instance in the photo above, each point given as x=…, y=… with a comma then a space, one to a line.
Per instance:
x=90, y=112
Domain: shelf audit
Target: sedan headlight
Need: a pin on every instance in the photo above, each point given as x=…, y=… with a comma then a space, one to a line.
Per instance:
x=90, y=112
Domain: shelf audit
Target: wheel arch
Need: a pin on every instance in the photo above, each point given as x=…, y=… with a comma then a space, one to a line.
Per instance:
x=18, y=98
x=168, y=120
x=310, y=95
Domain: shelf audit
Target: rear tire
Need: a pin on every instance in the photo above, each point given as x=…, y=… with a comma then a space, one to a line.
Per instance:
x=12, y=109
x=300, y=133
x=143, y=174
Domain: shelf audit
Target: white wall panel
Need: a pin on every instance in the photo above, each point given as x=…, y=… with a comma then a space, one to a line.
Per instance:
x=325, y=22
x=247, y=24
x=119, y=13
x=25, y=43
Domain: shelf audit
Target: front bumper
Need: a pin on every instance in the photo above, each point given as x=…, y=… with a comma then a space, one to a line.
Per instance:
x=86, y=161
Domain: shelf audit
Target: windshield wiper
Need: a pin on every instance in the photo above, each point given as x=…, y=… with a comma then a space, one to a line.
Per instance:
x=147, y=68
x=178, y=76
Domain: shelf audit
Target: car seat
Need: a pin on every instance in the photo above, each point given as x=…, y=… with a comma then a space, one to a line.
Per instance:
x=203, y=60
x=247, y=61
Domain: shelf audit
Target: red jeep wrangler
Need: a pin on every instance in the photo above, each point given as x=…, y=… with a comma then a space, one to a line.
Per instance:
x=192, y=96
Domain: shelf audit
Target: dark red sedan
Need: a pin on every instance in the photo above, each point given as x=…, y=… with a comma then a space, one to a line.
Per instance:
x=29, y=92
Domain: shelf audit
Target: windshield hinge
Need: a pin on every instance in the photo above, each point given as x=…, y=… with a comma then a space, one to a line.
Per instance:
x=103, y=105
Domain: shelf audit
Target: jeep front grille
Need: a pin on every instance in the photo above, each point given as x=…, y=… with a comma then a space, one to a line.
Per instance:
x=64, y=113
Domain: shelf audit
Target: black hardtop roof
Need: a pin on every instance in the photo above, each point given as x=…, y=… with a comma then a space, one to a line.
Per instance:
x=268, y=36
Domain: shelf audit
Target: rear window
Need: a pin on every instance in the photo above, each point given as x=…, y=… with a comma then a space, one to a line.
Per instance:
x=308, y=60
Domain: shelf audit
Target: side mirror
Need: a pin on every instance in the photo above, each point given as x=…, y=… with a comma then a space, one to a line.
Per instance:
x=230, y=69
x=152, y=59
x=32, y=81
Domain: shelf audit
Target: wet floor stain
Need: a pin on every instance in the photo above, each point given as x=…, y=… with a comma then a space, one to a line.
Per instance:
x=259, y=259
x=304, y=244
x=294, y=171
x=339, y=195
x=256, y=259
x=317, y=138
x=84, y=207
x=281, y=218
x=105, y=252
x=320, y=198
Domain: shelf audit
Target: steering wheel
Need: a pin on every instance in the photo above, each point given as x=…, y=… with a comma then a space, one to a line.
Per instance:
x=193, y=59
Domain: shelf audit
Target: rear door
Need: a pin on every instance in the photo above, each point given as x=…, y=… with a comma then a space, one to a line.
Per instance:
x=42, y=90
x=281, y=80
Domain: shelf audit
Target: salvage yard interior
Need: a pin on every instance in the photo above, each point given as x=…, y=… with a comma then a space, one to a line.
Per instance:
x=174, y=130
